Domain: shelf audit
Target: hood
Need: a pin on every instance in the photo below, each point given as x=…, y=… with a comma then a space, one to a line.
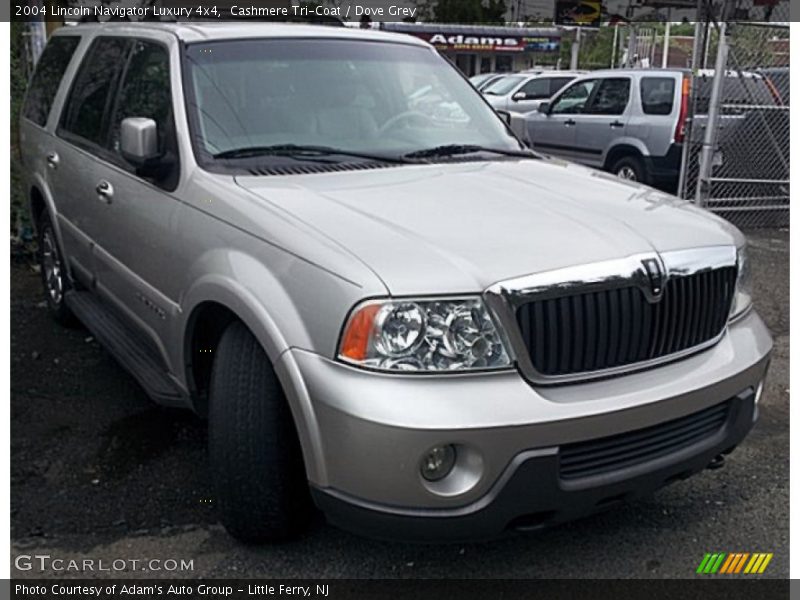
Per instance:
x=458, y=228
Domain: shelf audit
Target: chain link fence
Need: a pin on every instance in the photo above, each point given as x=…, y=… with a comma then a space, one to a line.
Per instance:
x=748, y=180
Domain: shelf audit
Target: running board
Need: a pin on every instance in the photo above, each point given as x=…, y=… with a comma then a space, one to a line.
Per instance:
x=127, y=345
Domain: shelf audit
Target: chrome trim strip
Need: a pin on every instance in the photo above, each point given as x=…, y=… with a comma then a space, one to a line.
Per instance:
x=504, y=297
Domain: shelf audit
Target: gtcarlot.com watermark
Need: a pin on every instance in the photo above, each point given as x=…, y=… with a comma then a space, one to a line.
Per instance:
x=45, y=562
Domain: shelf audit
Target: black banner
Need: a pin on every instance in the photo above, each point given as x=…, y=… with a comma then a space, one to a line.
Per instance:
x=705, y=588
x=584, y=13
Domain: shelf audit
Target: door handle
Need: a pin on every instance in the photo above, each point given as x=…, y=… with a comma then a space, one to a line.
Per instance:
x=52, y=160
x=617, y=124
x=569, y=123
x=105, y=191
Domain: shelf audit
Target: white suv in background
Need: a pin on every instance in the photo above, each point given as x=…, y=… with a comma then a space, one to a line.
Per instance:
x=524, y=92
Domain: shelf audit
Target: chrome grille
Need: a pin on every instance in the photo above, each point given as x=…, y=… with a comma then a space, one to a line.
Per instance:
x=595, y=330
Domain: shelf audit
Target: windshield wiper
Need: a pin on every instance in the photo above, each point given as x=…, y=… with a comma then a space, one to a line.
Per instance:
x=301, y=151
x=455, y=149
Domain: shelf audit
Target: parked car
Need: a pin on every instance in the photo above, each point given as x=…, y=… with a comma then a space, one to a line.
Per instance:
x=778, y=79
x=425, y=328
x=523, y=93
x=629, y=122
x=632, y=122
x=484, y=79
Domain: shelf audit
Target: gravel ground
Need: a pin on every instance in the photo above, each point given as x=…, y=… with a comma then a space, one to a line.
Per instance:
x=98, y=472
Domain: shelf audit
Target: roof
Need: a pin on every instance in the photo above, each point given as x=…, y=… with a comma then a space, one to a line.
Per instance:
x=474, y=30
x=202, y=32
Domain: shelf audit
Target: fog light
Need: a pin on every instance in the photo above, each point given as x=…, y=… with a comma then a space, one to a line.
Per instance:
x=438, y=462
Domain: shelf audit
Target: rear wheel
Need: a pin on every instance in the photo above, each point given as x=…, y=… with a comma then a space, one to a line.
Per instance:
x=630, y=168
x=256, y=461
x=53, y=271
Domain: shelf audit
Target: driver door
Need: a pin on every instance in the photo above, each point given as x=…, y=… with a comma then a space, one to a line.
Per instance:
x=530, y=95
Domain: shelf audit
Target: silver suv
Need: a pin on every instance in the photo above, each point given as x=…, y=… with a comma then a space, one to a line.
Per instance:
x=408, y=319
x=629, y=122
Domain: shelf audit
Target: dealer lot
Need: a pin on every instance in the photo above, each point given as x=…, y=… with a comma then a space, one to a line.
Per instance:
x=99, y=472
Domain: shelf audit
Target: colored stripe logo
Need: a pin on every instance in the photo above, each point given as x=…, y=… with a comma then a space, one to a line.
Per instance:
x=734, y=563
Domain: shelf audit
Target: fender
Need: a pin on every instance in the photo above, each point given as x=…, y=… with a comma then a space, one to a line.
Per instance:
x=246, y=302
x=621, y=143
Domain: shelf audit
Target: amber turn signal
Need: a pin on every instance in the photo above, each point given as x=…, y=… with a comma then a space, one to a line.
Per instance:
x=355, y=341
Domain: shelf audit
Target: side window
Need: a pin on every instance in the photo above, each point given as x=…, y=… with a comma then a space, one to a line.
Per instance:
x=145, y=91
x=611, y=97
x=574, y=98
x=47, y=78
x=93, y=89
x=556, y=83
x=536, y=89
x=658, y=95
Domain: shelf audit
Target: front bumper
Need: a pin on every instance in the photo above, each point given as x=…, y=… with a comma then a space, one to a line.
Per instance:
x=531, y=493
x=364, y=435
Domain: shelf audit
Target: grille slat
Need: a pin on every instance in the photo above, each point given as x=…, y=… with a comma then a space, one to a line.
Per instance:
x=596, y=330
x=605, y=455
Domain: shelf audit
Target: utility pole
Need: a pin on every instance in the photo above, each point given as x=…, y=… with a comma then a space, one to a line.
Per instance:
x=614, y=47
x=709, y=139
x=576, y=49
x=631, y=45
x=665, y=51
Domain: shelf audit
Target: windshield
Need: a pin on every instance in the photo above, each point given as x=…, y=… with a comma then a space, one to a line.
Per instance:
x=502, y=86
x=368, y=98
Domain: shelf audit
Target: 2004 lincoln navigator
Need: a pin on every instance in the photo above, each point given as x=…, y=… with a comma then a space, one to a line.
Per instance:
x=326, y=240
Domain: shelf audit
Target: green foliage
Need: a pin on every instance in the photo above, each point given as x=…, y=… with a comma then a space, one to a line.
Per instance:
x=596, y=47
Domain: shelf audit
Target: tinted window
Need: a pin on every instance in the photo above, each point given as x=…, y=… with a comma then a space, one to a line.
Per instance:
x=145, y=91
x=658, y=95
x=574, y=98
x=47, y=78
x=611, y=97
x=536, y=89
x=556, y=83
x=93, y=89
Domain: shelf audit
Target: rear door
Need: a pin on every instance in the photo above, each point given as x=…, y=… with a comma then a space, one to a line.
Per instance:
x=37, y=144
x=603, y=120
x=554, y=132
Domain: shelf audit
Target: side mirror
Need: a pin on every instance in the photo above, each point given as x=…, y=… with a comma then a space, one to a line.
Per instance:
x=505, y=115
x=519, y=96
x=544, y=108
x=138, y=141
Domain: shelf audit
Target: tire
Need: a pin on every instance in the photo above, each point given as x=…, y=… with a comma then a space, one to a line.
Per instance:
x=630, y=168
x=54, y=275
x=256, y=461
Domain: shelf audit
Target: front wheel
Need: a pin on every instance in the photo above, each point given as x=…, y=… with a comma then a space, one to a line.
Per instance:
x=630, y=168
x=255, y=456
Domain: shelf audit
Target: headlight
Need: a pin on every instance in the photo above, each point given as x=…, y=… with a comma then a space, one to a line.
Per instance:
x=446, y=334
x=743, y=296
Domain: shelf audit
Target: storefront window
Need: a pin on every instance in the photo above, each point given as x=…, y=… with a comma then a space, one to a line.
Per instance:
x=503, y=64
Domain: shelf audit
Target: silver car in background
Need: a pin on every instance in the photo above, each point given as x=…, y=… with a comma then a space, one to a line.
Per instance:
x=628, y=122
x=326, y=242
x=524, y=92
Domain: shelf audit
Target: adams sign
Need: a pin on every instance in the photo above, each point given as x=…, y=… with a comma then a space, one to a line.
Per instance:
x=490, y=43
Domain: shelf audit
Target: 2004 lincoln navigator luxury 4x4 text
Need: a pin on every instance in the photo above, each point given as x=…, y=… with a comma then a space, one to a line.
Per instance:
x=326, y=240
